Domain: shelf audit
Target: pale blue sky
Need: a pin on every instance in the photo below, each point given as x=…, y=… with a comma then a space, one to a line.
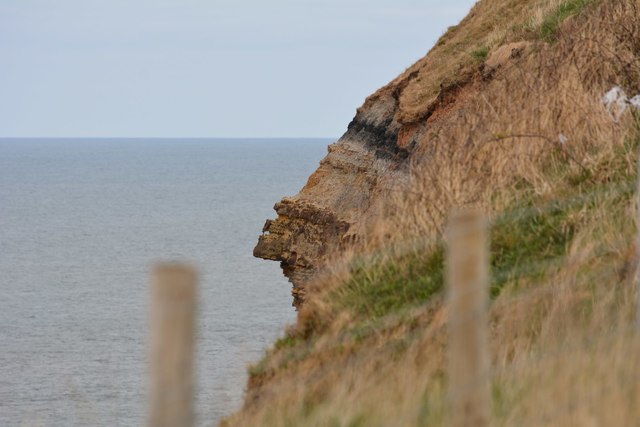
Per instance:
x=204, y=68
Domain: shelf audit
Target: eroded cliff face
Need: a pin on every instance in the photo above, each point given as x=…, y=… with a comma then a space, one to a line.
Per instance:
x=326, y=214
x=343, y=196
x=339, y=199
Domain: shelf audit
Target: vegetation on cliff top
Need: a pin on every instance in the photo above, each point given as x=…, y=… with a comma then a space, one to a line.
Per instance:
x=560, y=274
x=489, y=25
x=557, y=173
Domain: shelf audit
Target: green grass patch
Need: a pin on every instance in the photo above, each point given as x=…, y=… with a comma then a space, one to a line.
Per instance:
x=481, y=53
x=551, y=24
x=519, y=243
x=377, y=289
x=259, y=368
x=287, y=341
x=525, y=244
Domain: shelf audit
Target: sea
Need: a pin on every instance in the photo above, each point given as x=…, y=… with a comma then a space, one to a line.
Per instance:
x=82, y=221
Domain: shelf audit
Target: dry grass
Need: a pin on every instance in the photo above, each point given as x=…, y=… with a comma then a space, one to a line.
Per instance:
x=506, y=136
x=490, y=24
x=368, y=348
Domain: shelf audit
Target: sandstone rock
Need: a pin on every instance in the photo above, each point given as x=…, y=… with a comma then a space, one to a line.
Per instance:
x=327, y=211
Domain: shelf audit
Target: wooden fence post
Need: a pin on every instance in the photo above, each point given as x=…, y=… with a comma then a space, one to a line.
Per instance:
x=468, y=290
x=173, y=323
x=637, y=254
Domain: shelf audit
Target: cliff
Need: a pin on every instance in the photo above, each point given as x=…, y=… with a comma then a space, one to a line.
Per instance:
x=398, y=125
x=519, y=110
x=339, y=196
x=341, y=199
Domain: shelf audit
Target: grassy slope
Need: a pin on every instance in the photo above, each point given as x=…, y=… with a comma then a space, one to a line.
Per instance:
x=369, y=348
x=393, y=306
x=488, y=26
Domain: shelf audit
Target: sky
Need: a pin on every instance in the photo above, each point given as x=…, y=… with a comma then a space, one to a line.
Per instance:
x=204, y=68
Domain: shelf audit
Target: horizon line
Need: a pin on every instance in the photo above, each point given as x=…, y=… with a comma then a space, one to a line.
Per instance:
x=168, y=137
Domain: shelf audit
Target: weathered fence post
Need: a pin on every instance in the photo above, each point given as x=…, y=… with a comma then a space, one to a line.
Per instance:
x=637, y=254
x=468, y=290
x=173, y=323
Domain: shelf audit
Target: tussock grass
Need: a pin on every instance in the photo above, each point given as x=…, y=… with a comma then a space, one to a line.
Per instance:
x=380, y=287
x=551, y=22
x=490, y=24
x=481, y=53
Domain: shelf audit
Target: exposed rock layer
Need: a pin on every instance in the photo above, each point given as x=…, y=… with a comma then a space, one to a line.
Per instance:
x=341, y=198
x=337, y=198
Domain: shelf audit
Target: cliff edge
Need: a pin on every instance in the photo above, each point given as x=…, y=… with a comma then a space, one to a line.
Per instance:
x=530, y=111
x=344, y=196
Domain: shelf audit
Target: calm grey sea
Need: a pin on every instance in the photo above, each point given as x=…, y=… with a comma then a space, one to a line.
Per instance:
x=81, y=221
